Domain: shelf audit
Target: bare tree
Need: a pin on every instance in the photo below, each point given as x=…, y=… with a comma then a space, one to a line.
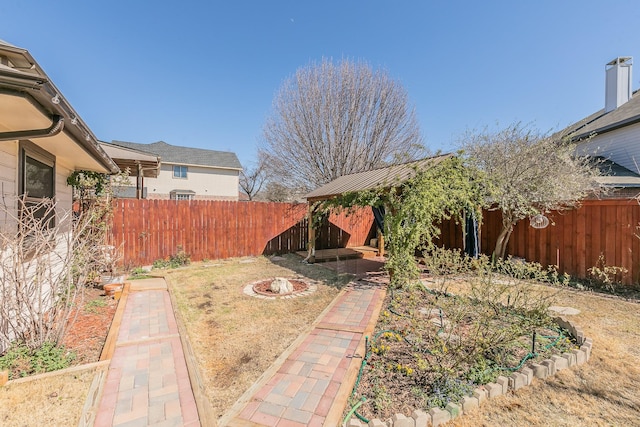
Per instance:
x=252, y=179
x=528, y=172
x=275, y=192
x=330, y=120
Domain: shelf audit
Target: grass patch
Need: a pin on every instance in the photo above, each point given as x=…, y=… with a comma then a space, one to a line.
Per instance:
x=235, y=337
x=51, y=401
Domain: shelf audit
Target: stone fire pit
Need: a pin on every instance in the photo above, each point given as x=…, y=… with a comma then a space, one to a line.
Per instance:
x=280, y=287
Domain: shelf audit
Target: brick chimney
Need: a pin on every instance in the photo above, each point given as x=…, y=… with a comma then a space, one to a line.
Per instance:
x=618, y=82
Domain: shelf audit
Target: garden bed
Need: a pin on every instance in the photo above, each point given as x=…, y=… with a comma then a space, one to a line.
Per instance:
x=431, y=348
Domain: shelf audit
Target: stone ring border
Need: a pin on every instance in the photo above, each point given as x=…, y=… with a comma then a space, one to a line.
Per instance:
x=311, y=288
x=524, y=377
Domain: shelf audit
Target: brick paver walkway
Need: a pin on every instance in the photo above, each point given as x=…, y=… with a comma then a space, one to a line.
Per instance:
x=147, y=383
x=311, y=386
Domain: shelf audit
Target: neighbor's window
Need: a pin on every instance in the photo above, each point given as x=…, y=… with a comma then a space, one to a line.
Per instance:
x=37, y=177
x=182, y=195
x=180, y=172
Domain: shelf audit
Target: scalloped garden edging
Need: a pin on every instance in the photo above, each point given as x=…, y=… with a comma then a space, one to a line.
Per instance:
x=503, y=384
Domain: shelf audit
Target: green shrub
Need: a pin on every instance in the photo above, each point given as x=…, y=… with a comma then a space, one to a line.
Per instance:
x=21, y=361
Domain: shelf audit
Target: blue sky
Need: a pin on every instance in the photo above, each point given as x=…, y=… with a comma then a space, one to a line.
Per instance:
x=204, y=73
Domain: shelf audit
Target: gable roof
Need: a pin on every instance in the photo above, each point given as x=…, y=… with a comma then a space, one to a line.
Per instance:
x=601, y=122
x=376, y=178
x=186, y=155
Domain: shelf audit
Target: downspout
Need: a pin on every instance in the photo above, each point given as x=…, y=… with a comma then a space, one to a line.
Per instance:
x=57, y=124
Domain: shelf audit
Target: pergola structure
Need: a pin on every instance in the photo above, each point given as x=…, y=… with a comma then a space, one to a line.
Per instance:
x=140, y=164
x=381, y=178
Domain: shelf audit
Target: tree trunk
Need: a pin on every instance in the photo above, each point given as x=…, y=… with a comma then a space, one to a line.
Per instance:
x=503, y=239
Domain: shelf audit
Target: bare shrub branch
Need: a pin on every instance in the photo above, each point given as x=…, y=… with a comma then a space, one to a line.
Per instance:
x=43, y=270
x=528, y=172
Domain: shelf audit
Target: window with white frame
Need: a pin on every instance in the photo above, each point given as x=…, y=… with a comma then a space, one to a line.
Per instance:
x=180, y=172
x=182, y=195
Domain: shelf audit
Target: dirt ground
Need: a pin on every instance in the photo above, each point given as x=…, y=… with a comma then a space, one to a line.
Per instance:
x=89, y=330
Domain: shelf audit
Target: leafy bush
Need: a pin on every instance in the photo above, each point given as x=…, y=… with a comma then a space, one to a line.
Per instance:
x=608, y=276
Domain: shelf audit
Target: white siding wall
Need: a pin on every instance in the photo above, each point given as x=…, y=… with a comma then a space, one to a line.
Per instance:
x=64, y=192
x=8, y=183
x=207, y=183
x=621, y=146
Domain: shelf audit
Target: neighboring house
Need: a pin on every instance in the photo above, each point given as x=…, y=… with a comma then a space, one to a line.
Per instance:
x=613, y=133
x=42, y=138
x=189, y=173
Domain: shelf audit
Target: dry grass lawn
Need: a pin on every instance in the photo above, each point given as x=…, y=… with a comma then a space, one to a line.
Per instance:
x=236, y=337
x=603, y=392
x=51, y=400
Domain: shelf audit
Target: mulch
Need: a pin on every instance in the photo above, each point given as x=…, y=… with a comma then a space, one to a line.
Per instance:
x=87, y=334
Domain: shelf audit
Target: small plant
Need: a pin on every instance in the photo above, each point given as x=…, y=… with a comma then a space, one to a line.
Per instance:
x=22, y=361
x=445, y=264
x=381, y=398
x=138, y=273
x=447, y=389
x=93, y=305
x=481, y=372
x=608, y=276
x=180, y=259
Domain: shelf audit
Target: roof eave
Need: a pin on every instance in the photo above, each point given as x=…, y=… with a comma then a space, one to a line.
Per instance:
x=37, y=86
x=609, y=128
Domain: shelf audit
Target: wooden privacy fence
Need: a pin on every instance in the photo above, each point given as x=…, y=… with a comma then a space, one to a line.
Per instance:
x=149, y=230
x=574, y=239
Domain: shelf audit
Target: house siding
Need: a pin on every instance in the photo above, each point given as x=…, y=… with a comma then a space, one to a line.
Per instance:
x=207, y=183
x=64, y=192
x=8, y=181
x=621, y=146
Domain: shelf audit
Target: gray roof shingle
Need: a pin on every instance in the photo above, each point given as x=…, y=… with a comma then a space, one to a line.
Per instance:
x=601, y=122
x=185, y=155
